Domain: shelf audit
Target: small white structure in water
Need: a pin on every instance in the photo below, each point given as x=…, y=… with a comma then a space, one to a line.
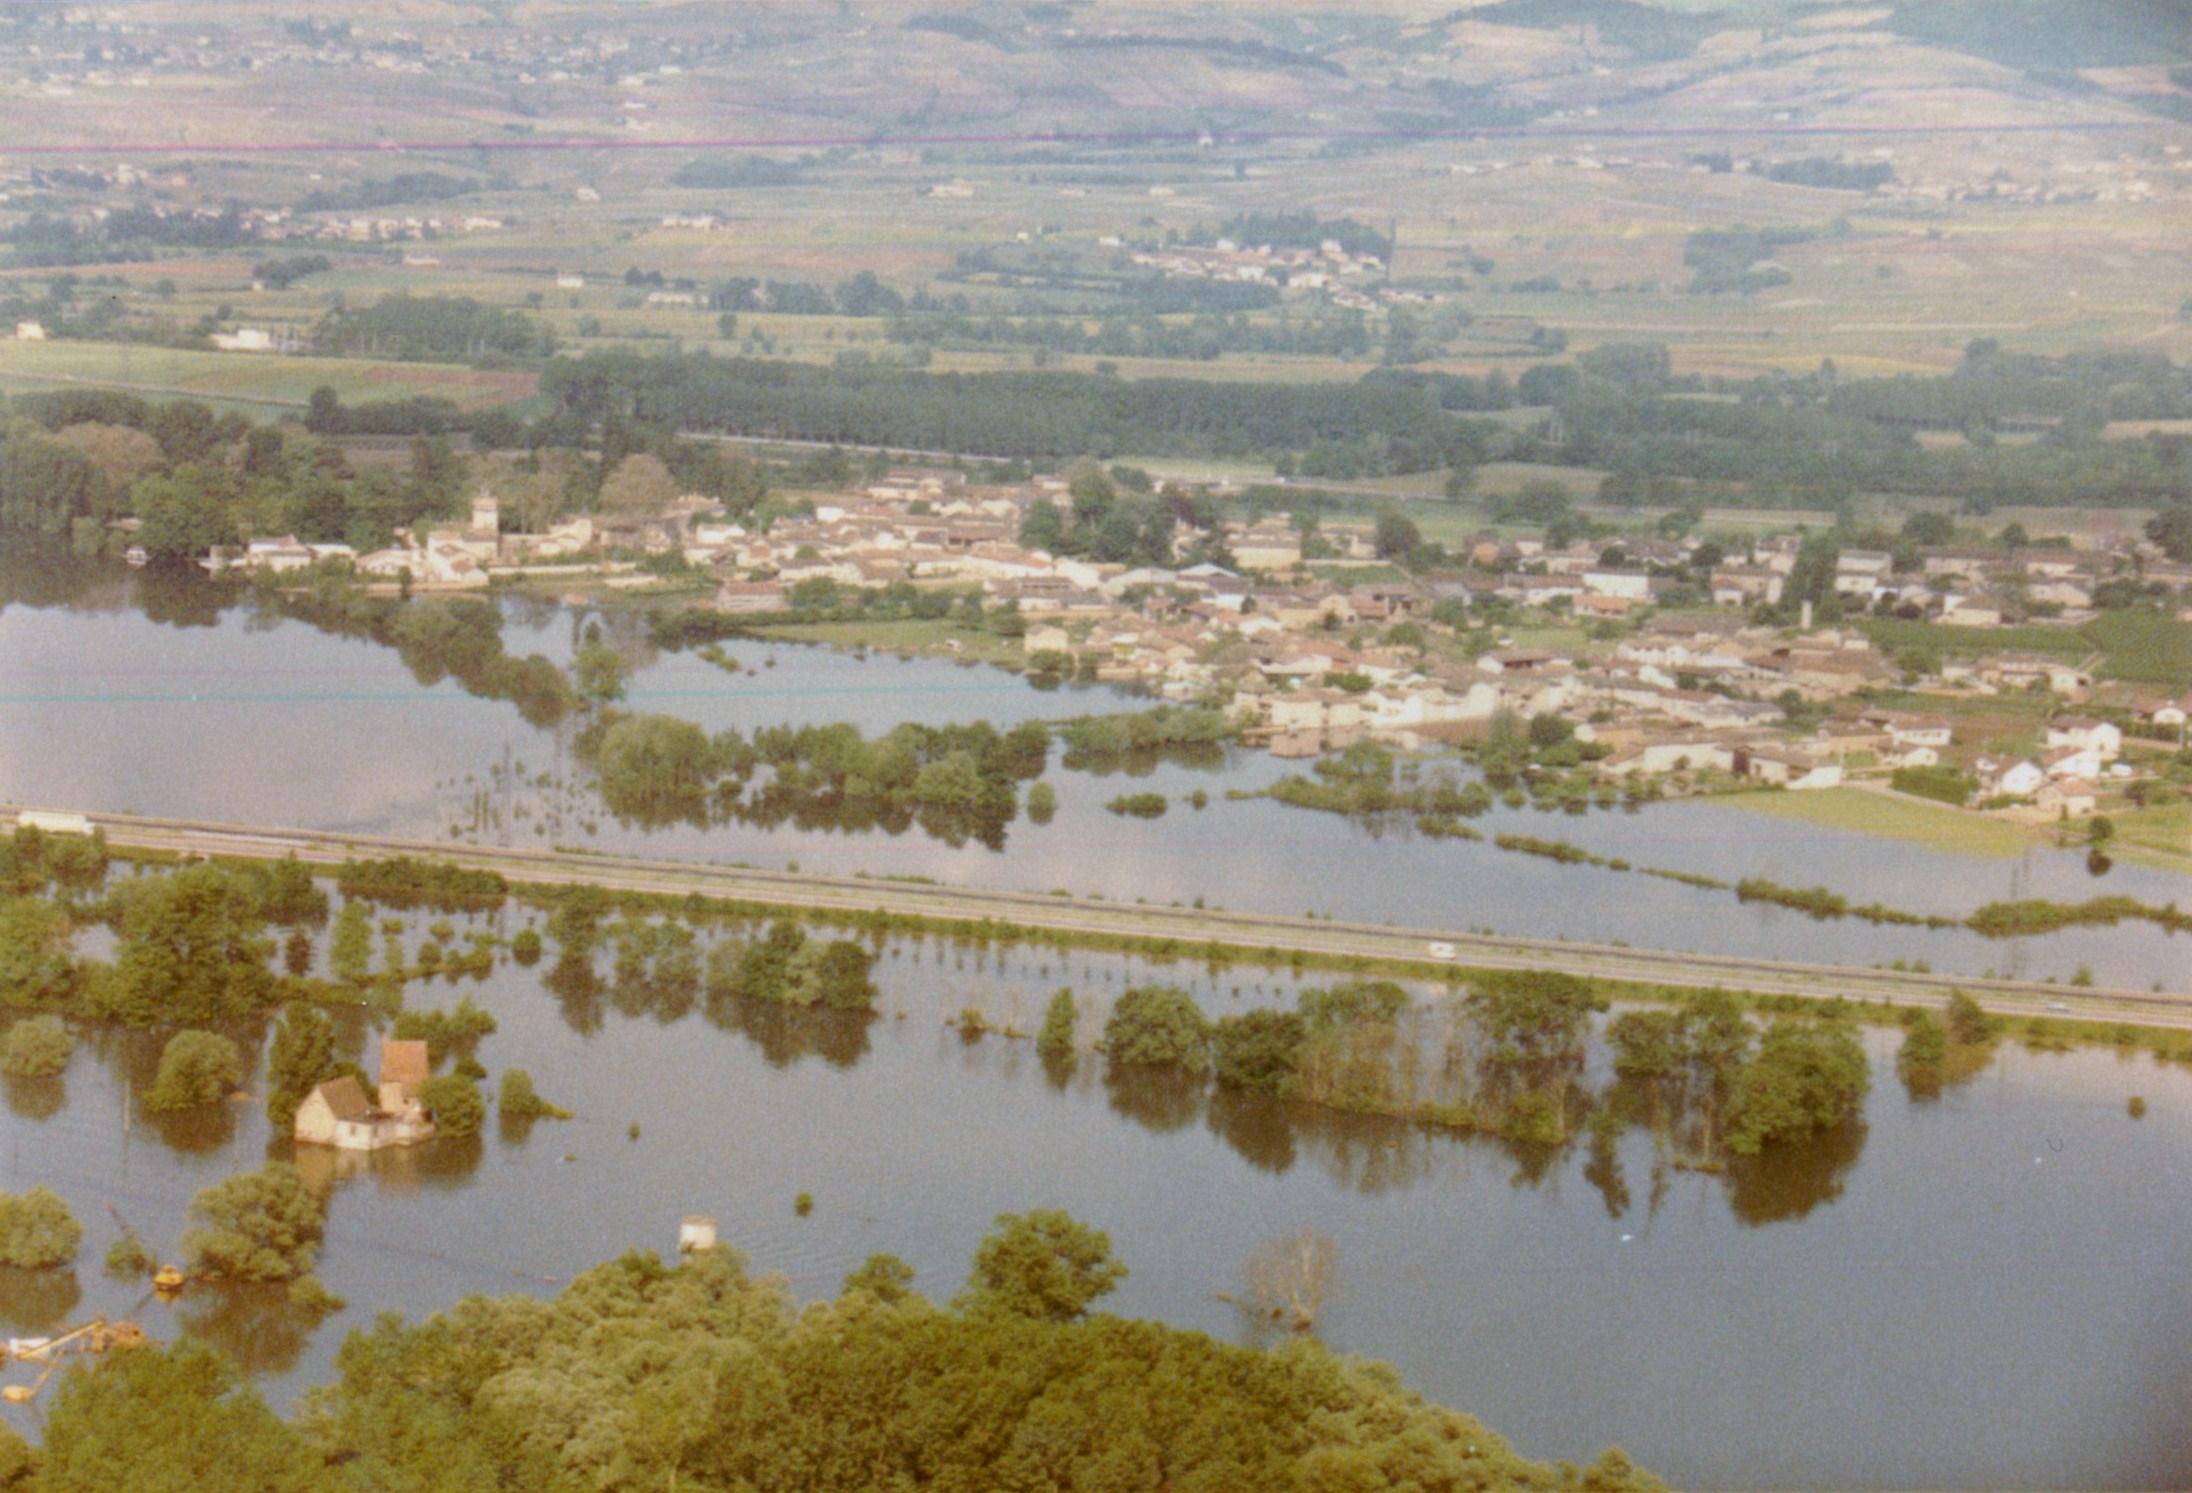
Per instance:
x=695, y=1232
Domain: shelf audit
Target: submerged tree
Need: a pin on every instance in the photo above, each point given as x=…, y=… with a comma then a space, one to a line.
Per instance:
x=1290, y=1279
x=256, y=1226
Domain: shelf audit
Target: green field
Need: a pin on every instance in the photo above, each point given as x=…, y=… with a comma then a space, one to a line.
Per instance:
x=1938, y=825
x=259, y=383
x=2145, y=647
x=906, y=635
x=1892, y=635
x=2161, y=835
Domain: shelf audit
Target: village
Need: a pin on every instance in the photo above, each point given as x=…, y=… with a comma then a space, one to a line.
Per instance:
x=1310, y=641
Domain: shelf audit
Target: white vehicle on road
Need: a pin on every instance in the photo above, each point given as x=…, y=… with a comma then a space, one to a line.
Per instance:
x=1440, y=950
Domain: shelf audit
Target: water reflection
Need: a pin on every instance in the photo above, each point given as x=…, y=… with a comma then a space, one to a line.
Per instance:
x=35, y=1302
x=1158, y=1099
x=258, y=1326
x=1787, y=1182
x=785, y=1034
x=1258, y=1127
x=199, y=1130
x=578, y=993
x=178, y=594
x=445, y=1163
x=35, y=1098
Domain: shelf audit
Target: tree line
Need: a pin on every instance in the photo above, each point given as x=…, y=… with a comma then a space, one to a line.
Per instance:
x=717, y=1379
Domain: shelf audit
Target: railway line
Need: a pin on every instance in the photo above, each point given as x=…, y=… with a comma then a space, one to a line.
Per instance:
x=1189, y=927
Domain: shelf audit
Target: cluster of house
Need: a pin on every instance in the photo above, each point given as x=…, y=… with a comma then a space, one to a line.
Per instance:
x=1308, y=660
x=460, y=556
x=1960, y=586
x=1345, y=276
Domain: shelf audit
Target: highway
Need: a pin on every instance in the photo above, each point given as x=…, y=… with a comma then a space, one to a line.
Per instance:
x=1092, y=916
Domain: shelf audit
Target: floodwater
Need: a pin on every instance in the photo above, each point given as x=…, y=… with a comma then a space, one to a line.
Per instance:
x=170, y=695
x=1986, y=1289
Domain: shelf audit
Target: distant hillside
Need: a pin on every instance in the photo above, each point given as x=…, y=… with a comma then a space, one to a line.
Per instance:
x=2053, y=33
x=1645, y=31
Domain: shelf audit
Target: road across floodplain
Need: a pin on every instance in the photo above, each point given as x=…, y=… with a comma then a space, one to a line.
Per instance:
x=1190, y=929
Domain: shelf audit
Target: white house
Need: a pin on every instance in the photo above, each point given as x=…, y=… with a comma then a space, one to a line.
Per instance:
x=1634, y=585
x=1787, y=769
x=1999, y=777
x=338, y=1114
x=2084, y=731
x=2072, y=762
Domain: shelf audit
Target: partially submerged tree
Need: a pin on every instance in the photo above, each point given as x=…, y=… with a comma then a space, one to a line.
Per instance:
x=37, y=1048
x=37, y=1230
x=1290, y=1279
x=195, y=1068
x=257, y=1226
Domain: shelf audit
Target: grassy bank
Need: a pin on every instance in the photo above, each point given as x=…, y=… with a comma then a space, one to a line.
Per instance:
x=906, y=635
x=1957, y=831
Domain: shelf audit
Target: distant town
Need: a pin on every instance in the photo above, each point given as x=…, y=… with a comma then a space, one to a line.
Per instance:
x=1309, y=659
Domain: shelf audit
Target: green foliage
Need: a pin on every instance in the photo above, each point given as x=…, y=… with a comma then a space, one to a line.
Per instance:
x=33, y=954
x=256, y=1226
x=195, y=1068
x=645, y=1376
x=2026, y=918
x=301, y=1058
x=525, y=947
x=405, y=881
x=37, y=1048
x=350, y=949
x=432, y=328
x=169, y=1420
x=1676, y=1069
x=1042, y=803
x=190, y=950
x=1534, y=1023
x=600, y=674
x=885, y=1277
x=32, y=860
x=459, y=1029
x=785, y=967
x=1924, y=1053
x=1140, y=805
x=1258, y=1050
x=44, y=485
x=1969, y=1023
x=37, y=1230
x=1157, y=1025
x=283, y=890
x=455, y=1102
x=1947, y=784
x=1807, y=1078
x=1060, y=1020
x=519, y=1102
x=1042, y=1265
x=1094, y=743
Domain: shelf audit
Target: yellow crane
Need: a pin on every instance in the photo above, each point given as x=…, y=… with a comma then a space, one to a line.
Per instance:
x=94, y=1337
